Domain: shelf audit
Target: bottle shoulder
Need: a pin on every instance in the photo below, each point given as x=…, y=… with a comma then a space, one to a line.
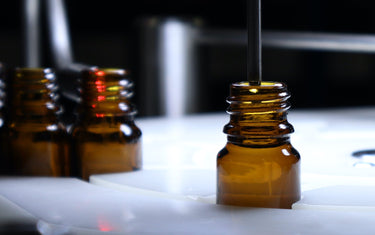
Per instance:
x=241, y=153
x=36, y=134
x=114, y=132
x=52, y=127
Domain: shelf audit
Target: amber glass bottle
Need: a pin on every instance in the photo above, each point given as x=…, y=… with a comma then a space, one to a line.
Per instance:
x=258, y=167
x=106, y=139
x=38, y=145
x=4, y=155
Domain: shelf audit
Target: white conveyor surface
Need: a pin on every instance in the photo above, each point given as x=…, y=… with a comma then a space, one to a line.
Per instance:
x=70, y=206
x=175, y=192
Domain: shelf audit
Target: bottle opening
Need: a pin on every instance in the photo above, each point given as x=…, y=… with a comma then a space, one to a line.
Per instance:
x=262, y=84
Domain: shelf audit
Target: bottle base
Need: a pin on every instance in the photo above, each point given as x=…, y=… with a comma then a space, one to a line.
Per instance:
x=265, y=201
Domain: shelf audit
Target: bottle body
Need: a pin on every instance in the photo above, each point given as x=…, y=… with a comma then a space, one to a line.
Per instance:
x=37, y=141
x=106, y=139
x=258, y=167
x=258, y=177
x=37, y=151
x=106, y=145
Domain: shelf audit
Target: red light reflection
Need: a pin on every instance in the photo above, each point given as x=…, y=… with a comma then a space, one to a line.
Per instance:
x=101, y=98
x=104, y=225
x=100, y=86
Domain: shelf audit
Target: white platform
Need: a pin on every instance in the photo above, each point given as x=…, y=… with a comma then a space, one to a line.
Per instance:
x=69, y=206
x=175, y=193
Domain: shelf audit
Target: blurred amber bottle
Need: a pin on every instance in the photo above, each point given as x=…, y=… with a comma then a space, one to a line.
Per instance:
x=258, y=167
x=38, y=145
x=106, y=139
x=4, y=155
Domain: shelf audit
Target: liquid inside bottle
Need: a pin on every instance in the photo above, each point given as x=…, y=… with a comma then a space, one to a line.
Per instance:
x=38, y=145
x=258, y=167
x=106, y=138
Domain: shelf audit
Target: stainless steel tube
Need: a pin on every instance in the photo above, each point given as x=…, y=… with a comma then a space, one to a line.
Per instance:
x=32, y=31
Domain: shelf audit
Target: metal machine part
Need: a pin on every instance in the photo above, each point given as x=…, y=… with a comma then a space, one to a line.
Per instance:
x=168, y=53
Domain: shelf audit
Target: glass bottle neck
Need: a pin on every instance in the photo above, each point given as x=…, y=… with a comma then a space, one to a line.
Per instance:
x=105, y=95
x=33, y=96
x=258, y=115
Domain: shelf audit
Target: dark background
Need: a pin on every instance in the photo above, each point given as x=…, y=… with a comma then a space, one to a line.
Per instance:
x=104, y=33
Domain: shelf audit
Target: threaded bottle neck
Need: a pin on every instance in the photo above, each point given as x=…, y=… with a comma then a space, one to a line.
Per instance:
x=258, y=114
x=106, y=93
x=34, y=94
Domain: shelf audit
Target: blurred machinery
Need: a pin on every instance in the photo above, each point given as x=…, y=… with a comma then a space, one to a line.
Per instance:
x=184, y=57
x=172, y=60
